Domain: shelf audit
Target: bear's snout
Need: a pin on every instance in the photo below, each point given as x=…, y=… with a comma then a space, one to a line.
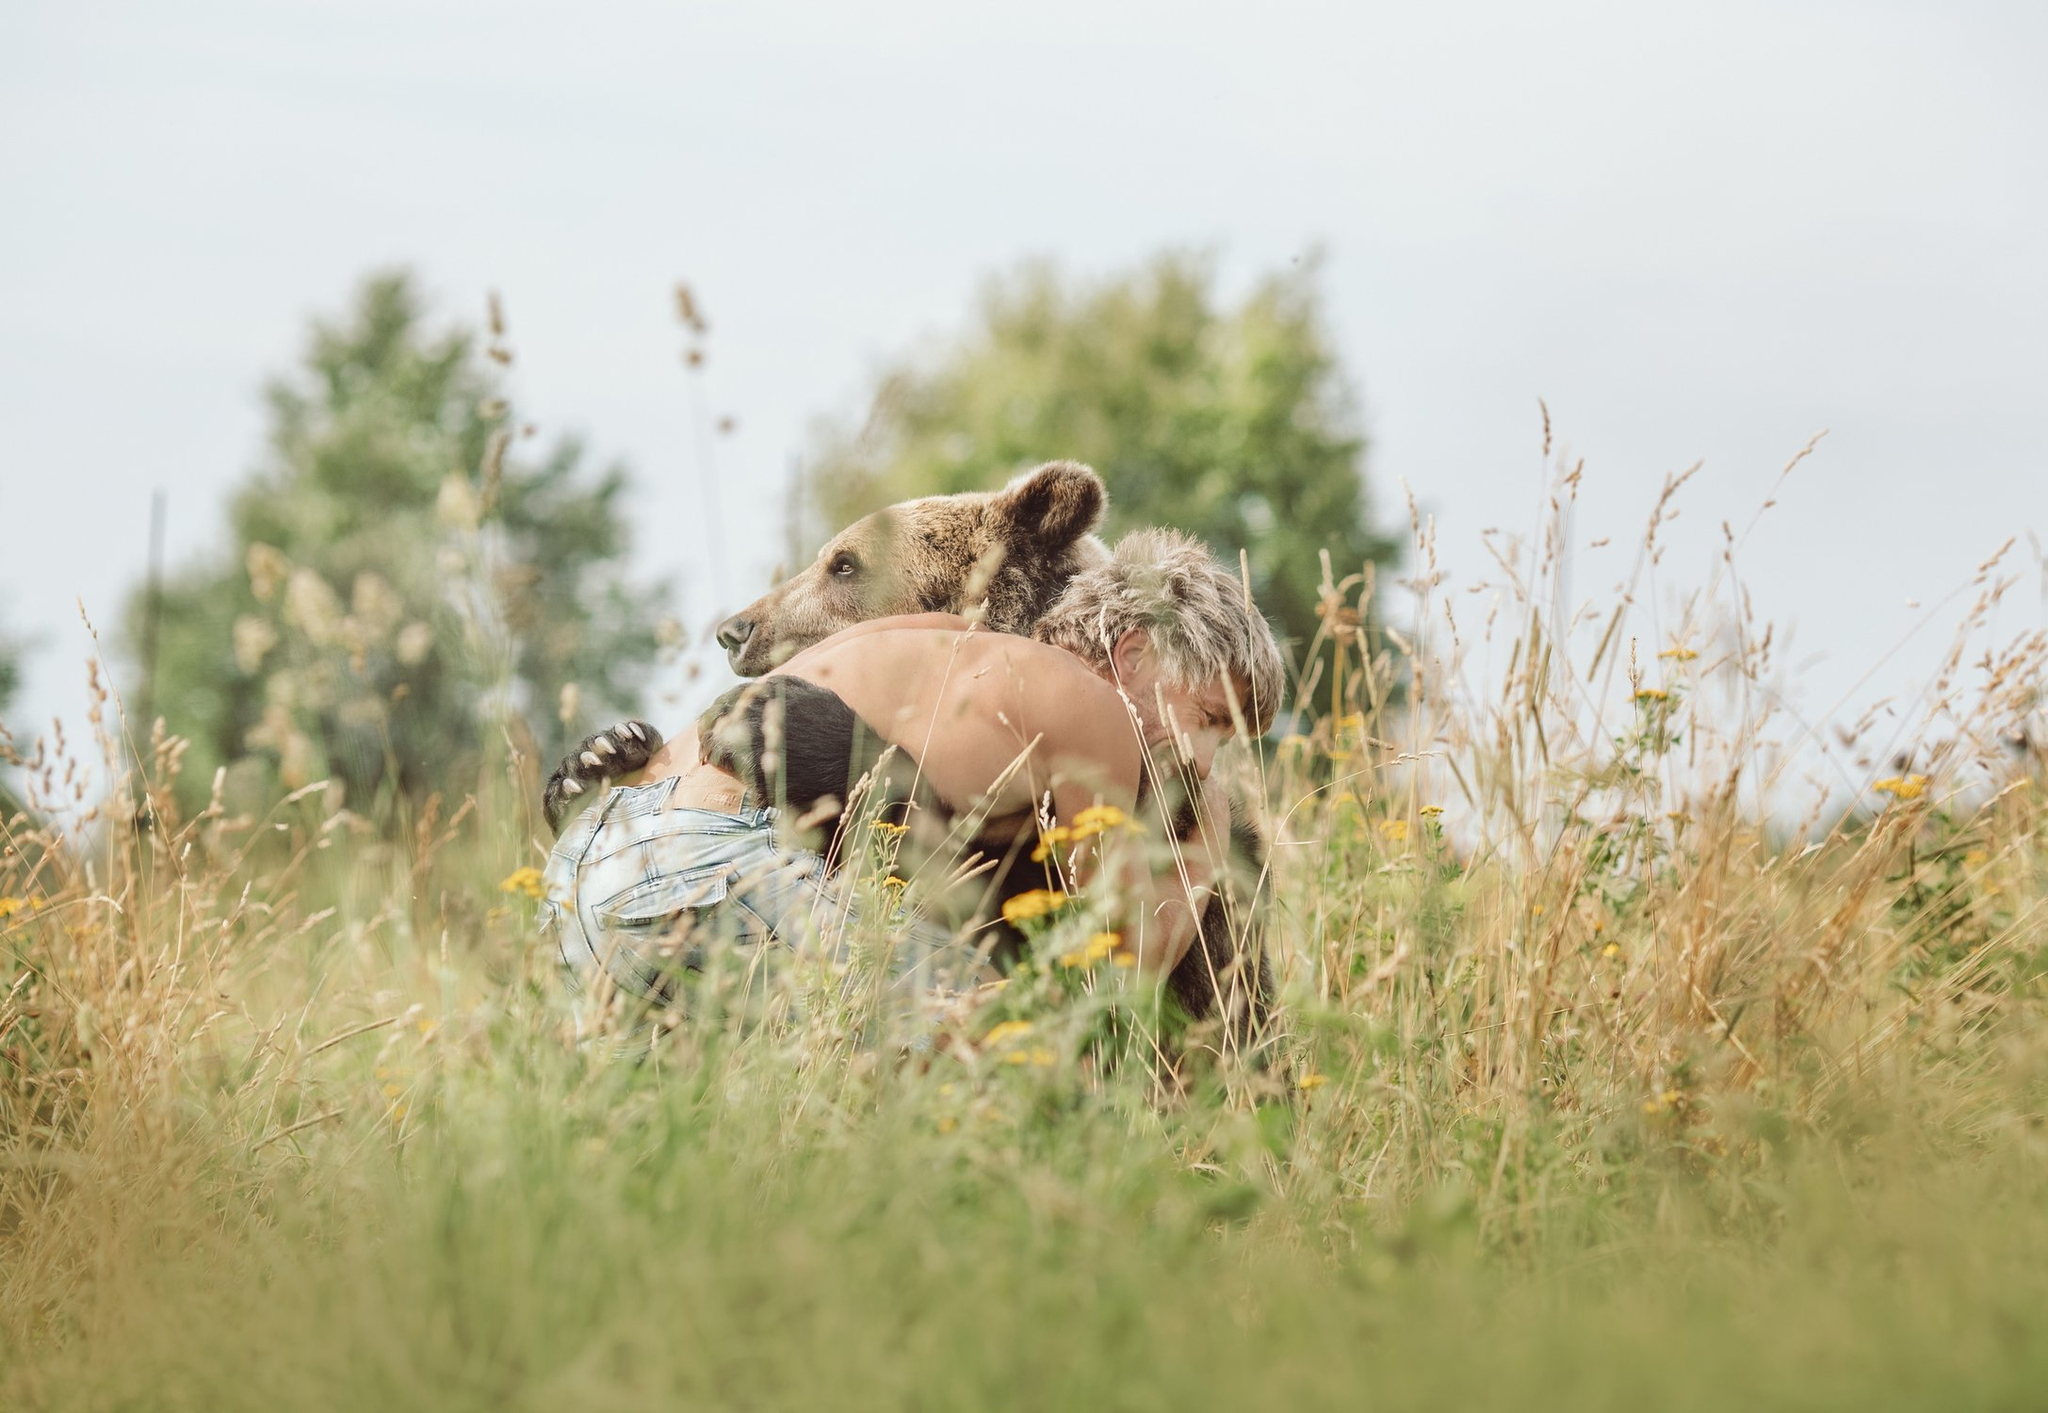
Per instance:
x=733, y=635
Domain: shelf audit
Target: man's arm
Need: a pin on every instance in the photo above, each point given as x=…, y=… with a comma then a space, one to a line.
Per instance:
x=1167, y=879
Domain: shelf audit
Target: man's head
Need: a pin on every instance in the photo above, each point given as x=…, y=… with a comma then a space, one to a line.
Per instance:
x=1015, y=549
x=1177, y=631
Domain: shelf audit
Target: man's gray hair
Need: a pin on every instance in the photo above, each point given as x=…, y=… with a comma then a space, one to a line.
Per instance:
x=1198, y=614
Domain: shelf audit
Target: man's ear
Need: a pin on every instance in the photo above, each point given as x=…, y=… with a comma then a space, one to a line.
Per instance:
x=1051, y=507
x=1129, y=654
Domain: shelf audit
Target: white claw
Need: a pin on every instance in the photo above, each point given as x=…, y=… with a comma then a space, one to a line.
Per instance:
x=572, y=787
x=590, y=758
x=603, y=745
x=634, y=727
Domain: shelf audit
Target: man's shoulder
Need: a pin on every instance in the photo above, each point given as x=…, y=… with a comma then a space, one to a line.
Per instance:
x=1038, y=663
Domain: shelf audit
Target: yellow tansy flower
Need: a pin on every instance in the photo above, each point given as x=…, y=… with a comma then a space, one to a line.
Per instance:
x=524, y=881
x=1311, y=1080
x=882, y=826
x=1395, y=831
x=1651, y=694
x=1902, y=787
x=1679, y=652
x=1007, y=1031
x=1432, y=811
x=1049, y=841
x=1098, y=948
x=1097, y=819
x=1037, y=903
x=9, y=907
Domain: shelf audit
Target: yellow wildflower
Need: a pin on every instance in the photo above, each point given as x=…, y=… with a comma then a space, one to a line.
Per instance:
x=1612, y=949
x=1651, y=694
x=1098, y=948
x=1049, y=841
x=1976, y=858
x=1353, y=722
x=1098, y=819
x=1038, y=1055
x=1007, y=1031
x=1037, y=903
x=1679, y=652
x=10, y=906
x=1311, y=1080
x=1432, y=811
x=1124, y=959
x=892, y=881
x=1395, y=831
x=1902, y=787
x=894, y=831
x=523, y=880
x=392, y=1091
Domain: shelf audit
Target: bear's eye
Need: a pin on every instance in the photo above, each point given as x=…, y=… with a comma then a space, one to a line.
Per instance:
x=844, y=566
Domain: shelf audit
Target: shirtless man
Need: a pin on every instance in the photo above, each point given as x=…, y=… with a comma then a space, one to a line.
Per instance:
x=982, y=729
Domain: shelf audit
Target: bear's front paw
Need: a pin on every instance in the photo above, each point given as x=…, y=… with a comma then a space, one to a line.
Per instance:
x=608, y=755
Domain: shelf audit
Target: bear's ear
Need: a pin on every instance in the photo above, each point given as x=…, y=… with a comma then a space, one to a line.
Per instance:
x=1055, y=505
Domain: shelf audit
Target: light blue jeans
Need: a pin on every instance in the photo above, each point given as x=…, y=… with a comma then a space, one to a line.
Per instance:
x=647, y=894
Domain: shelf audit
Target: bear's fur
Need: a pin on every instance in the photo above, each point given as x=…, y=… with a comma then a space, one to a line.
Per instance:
x=1012, y=551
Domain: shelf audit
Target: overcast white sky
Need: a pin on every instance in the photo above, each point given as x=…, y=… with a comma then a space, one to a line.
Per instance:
x=1700, y=232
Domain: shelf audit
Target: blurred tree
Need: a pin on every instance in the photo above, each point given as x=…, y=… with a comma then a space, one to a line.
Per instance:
x=10, y=672
x=402, y=587
x=10, y=683
x=1234, y=424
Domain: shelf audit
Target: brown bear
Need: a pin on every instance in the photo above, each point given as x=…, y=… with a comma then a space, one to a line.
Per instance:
x=1007, y=554
x=1013, y=550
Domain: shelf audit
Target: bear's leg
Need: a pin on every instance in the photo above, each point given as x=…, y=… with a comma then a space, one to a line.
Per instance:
x=601, y=758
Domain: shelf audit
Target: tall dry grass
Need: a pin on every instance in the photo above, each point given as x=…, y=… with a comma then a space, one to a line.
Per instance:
x=1595, y=1031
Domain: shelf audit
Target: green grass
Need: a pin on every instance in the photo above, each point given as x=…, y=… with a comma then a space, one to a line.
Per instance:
x=1592, y=1094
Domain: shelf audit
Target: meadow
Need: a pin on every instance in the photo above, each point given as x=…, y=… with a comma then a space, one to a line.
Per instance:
x=1601, y=1081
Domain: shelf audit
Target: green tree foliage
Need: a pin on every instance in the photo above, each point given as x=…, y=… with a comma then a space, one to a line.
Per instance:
x=404, y=588
x=10, y=684
x=1235, y=424
x=10, y=673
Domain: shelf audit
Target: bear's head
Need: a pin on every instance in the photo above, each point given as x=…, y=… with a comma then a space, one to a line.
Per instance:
x=1014, y=549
